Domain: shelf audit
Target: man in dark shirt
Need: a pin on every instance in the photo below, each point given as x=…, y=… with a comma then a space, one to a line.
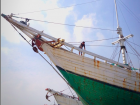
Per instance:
x=81, y=46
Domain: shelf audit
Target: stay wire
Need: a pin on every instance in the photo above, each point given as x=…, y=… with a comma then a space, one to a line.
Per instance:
x=42, y=56
x=115, y=55
x=58, y=8
x=134, y=54
x=94, y=40
x=97, y=45
x=133, y=48
x=65, y=24
x=130, y=11
x=46, y=61
x=115, y=50
x=133, y=43
x=124, y=19
x=64, y=90
x=67, y=48
x=130, y=61
x=119, y=56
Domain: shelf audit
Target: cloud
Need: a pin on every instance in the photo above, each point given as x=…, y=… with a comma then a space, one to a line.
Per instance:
x=25, y=78
x=5, y=50
x=58, y=16
x=9, y=33
x=20, y=6
x=88, y=20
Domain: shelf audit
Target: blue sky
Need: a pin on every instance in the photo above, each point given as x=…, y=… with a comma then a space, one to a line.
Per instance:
x=25, y=75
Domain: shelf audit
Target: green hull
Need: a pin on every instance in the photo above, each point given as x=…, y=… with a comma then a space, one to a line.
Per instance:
x=94, y=92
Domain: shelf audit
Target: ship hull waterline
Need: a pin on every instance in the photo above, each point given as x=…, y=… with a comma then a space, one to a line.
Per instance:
x=95, y=92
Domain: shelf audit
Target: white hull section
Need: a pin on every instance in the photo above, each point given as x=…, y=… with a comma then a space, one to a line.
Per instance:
x=93, y=68
x=63, y=99
x=66, y=101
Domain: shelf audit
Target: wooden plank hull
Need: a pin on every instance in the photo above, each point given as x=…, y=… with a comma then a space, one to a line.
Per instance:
x=88, y=76
x=94, y=92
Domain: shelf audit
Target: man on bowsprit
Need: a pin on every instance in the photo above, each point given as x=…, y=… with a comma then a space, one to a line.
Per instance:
x=81, y=46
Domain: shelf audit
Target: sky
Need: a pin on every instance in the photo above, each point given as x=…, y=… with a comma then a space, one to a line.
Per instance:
x=25, y=75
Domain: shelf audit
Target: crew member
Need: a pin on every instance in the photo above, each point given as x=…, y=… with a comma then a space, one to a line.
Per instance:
x=81, y=46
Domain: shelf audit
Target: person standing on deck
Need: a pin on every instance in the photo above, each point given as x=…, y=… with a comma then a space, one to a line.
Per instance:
x=81, y=46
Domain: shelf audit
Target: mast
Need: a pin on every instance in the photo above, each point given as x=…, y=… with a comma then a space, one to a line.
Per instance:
x=121, y=39
x=116, y=14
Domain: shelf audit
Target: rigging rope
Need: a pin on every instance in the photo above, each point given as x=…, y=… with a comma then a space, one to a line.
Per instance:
x=134, y=54
x=130, y=61
x=48, y=63
x=114, y=52
x=138, y=56
x=130, y=11
x=132, y=48
x=41, y=55
x=59, y=7
x=97, y=45
x=133, y=43
x=124, y=19
x=65, y=24
x=119, y=55
x=94, y=40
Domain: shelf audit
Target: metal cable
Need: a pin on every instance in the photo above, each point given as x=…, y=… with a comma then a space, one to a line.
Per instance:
x=58, y=8
x=65, y=24
x=133, y=43
x=41, y=55
x=94, y=40
x=131, y=12
x=115, y=50
x=133, y=48
x=97, y=45
x=124, y=19
x=48, y=63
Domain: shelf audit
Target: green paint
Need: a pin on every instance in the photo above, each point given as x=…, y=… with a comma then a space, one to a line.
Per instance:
x=98, y=93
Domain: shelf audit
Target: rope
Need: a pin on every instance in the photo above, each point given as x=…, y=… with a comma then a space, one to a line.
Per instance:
x=133, y=43
x=134, y=54
x=132, y=13
x=130, y=60
x=64, y=90
x=47, y=62
x=59, y=7
x=138, y=55
x=119, y=56
x=115, y=50
x=41, y=55
x=115, y=55
x=97, y=45
x=67, y=48
x=125, y=19
x=94, y=40
x=65, y=24
x=133, y=48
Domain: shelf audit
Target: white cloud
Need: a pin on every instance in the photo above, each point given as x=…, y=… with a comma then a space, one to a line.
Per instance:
x=5, y=50
x=9, y=33
x=26, y=77
x=99, y=36
x=58, y=16
x=81, y=34
x=20, y=6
